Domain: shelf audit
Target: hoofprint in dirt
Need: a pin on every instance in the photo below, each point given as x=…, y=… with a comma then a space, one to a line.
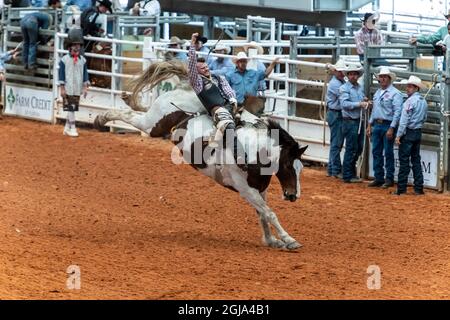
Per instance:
x=139, y=226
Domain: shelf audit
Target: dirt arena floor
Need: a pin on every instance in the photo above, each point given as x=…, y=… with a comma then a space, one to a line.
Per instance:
x=140, y=227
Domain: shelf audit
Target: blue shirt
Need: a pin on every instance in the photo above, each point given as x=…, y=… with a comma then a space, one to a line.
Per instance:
x=246, y=83
x=387, y=105
x=220, y=68
x=182, y=56
x=39, y=3
x=350, y=98
x=82, y=4
x=333, y=94
x=414, y=114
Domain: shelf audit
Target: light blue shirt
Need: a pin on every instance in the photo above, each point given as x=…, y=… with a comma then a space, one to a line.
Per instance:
x=387, y=105
x=39, y=3
x=220, y=68
x=333, y=94
x=182, y=56
x=4, y=57
x=414, y=114
x=245, y=84
x=350, y=98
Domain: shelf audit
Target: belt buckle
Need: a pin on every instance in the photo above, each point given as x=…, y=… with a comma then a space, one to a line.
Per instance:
x=379, y=121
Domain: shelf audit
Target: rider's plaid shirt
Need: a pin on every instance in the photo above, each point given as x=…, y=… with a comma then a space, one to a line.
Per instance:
x=196, y=80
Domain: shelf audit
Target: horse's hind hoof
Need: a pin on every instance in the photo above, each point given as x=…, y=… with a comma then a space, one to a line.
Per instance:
x=98, y=126
x=293, y=245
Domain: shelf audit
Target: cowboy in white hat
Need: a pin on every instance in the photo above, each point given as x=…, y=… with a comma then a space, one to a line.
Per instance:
x=221, y=65
x=353, y=102
x=245, y=82
x=383, y=122
x=368, y=34
x=252, y=49
x=334, y=118
x=409, y=135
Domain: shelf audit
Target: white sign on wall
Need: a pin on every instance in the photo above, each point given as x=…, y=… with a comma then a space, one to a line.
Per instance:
x=28, y=103
x=430, y=163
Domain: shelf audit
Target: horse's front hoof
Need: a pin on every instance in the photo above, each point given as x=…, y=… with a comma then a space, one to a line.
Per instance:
x=293, y=245
x=275, y=243
x=99, y=126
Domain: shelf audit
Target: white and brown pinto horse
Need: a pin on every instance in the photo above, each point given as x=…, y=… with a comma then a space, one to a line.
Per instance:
x=269, y=148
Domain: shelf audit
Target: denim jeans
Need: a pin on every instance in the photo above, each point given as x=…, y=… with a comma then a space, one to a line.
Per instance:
x=380, y=144
x=30, y=32
x=409, y=151
x=334, y=119
x=353, y=147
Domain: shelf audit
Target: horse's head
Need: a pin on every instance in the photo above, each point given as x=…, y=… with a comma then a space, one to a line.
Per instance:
x=290, y=166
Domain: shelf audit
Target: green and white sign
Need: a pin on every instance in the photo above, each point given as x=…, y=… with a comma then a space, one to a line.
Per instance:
x=29, y=103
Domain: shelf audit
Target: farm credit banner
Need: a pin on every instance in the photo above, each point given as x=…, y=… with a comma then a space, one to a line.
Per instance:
x=29, y=103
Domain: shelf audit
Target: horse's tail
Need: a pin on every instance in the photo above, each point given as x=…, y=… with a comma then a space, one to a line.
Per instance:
x=156, y=73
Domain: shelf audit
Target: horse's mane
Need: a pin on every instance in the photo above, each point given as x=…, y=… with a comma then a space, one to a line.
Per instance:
x=286, y=140
x=156, y=73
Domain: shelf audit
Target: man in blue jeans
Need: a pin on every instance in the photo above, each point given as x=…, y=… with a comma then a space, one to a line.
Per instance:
x=353, y=103
x=334, y=119
x=30, y=25
x=409, y=135
x=387, y=107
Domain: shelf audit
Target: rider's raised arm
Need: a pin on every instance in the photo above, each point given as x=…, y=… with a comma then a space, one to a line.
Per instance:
x=194, y=78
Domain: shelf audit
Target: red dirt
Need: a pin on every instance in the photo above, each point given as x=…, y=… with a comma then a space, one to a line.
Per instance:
x=140, y=227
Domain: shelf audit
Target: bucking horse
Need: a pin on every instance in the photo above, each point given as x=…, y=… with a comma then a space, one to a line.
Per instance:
x=179, y=114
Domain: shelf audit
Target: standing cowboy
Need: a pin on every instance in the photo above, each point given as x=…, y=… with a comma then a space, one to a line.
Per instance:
x=73, y=81
x=90, y=18
x=216, y=96
x=367, y=35
x=387, y=107
x=353, y=103
x=409, y=135
x=221, y=65
x=334, y=119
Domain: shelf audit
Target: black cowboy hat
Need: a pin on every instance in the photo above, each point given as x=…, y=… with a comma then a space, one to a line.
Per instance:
x=107, y=3
x=202, y=39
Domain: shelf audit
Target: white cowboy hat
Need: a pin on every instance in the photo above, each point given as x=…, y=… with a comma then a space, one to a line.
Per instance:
x=371, y=19
x=354, y=68
x=414, y=81
x=240, y=56
x=341, y=65
x=384, y=71
x=254, y=45
x=221, y=47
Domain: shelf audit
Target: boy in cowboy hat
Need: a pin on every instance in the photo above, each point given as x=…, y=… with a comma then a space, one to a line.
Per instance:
x=367, y=34
x=387, y=107
x=334, y=118
x=221, y=65
x=353, y=103
x=73, y=81
x=409, y=135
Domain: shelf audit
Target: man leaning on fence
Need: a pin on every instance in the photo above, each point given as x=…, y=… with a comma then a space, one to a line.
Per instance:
x=383, y=123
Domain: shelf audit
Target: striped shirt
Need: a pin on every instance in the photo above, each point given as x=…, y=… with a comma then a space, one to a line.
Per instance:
x=196, y=81
x=363, y=35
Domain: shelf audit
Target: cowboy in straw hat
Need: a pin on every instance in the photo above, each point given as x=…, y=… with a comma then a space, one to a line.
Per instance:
x=175, y=43
x=253, y=45
x=409, y=135
x=251, y=50
x=383, y=122
x=244, y=81
x=221, y=65
x=353, y=103
x=439, y=35
x=334, y=118
x=367, y=34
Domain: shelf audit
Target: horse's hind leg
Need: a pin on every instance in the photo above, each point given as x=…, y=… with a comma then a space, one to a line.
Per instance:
x=130, y=117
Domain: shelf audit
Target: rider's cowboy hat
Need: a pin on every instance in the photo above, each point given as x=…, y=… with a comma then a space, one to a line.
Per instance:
x=175, y=40
x=108, y=4
x=384, y=71
x=221, y=47
x=254, y=45
x=201, y=39
x=240, y=56
x=354, y=68
x=415, y=81
x=371, y=19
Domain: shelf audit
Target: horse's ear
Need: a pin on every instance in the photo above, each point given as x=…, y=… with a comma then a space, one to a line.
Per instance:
x=301, y=151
